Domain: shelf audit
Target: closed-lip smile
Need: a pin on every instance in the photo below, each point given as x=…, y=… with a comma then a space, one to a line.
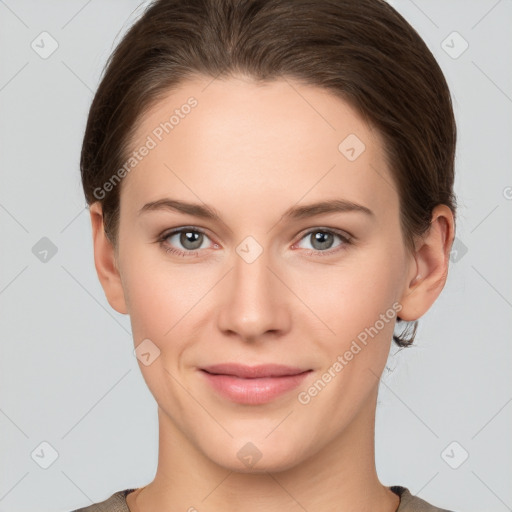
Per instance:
x=253, y=385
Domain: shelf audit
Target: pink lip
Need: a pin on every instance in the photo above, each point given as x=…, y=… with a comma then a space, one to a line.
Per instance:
x=253, y=385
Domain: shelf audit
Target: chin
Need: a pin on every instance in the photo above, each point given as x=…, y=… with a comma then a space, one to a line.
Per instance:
x=257, y=457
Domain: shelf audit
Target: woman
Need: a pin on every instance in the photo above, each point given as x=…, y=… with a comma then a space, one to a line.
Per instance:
x=271, y=190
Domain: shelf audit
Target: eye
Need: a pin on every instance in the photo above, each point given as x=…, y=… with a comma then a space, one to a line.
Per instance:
x=185, y=241
x=188, y=241
x=322, y=240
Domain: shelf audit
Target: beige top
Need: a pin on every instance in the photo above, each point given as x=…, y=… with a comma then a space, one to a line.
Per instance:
x=408, y=503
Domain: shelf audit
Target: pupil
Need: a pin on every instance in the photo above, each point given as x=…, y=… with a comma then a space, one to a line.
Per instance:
x=191, y=237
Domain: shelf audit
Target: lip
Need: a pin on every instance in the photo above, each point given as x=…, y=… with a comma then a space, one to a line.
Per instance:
x=253, y=385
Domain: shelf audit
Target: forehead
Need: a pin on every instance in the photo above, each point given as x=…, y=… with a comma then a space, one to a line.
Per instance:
x=245, y=108
x=241, y=138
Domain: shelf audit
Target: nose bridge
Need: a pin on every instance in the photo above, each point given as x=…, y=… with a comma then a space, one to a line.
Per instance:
x=251, y=278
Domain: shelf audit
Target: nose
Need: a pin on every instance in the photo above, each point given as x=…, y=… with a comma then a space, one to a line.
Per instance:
x=254, y=302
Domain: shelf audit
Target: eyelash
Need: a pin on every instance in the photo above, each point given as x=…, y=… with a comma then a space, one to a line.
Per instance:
x=345, y=238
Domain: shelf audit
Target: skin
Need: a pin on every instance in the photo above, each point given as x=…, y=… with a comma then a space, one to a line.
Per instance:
x=252, y=151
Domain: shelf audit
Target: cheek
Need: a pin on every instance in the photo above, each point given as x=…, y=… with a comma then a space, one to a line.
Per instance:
x=351, y=296
x=357, y=302
x=161, y=295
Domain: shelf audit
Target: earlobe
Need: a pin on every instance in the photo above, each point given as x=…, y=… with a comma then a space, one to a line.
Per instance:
x=105, y=261
x=428, y=275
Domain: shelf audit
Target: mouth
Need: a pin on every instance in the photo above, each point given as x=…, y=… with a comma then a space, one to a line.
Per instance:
x=253, y=385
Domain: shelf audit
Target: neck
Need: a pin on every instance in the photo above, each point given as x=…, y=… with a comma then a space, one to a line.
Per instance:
x=341, y=476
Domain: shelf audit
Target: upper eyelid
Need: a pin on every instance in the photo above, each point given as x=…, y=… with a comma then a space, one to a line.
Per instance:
x=167, y=233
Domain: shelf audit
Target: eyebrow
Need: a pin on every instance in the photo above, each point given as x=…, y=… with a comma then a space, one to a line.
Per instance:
x=294, y=213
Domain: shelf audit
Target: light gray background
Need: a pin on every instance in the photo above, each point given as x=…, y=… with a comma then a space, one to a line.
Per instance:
x=68, y=375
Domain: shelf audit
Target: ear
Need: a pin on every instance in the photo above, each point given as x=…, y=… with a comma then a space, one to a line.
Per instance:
x=105, y=261
x=432, y=256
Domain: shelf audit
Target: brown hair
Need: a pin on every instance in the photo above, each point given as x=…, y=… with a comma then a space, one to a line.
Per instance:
x=363, y=51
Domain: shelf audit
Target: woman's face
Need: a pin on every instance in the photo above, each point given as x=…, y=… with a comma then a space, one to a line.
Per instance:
x=267, y=280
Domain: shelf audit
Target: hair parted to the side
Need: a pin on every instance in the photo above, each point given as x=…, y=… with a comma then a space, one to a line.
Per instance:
x=363, y=51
